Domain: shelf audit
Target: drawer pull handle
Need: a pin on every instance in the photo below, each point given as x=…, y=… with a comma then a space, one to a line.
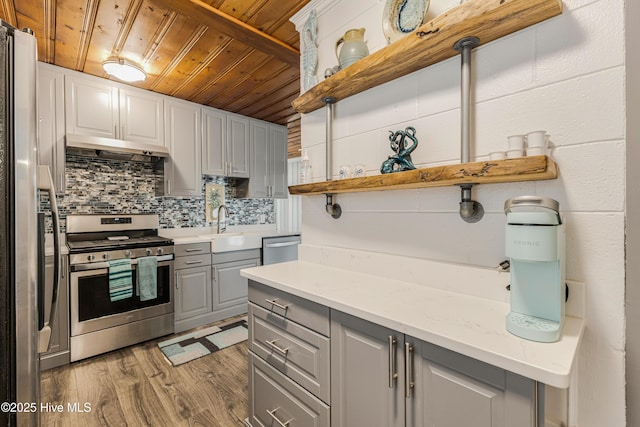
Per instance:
x=275, y=303
x=272, y=344
x=193, y=262
x=272, y=413
x=194, y=250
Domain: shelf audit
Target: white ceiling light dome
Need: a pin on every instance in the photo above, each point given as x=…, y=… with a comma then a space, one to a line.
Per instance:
x=123, y=69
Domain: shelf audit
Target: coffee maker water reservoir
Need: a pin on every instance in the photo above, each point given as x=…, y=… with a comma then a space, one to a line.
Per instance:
x=535, y=245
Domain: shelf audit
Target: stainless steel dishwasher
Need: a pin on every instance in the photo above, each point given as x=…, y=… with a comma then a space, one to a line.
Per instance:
x=280, y=249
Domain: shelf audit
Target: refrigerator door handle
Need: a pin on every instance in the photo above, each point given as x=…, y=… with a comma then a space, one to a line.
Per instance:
x=45, y=182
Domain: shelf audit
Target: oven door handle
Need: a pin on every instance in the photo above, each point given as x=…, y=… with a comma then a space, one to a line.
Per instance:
x=100, y=265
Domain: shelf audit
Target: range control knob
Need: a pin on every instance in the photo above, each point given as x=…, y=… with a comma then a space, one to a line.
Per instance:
x=91, y=257
x=148, y=251
x=105, y=256
x=160, y=251
x=127, y=253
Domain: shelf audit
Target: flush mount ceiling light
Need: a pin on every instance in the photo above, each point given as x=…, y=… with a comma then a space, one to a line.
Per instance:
x=123, y=69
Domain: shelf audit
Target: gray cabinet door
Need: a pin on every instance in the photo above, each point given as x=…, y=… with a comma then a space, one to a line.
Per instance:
x=193, y=296
x=278, y=163
x=183, y=137
x=361, y=367
x=229, y=288
x=238, y=145
x=141, y=116
x=260, y=180
x=214, y=140
x=51, y=149
x=91, y=107
x=452, y=390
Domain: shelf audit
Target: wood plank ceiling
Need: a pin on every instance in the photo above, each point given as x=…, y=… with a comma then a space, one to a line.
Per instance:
x=236, y=55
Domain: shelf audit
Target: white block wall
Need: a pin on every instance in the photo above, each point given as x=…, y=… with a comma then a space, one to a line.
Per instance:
x=565, y=76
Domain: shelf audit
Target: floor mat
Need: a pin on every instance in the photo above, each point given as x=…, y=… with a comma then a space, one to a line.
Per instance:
x=194, y=345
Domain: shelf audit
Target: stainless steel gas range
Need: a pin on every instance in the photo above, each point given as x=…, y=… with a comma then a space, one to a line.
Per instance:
x=100, y=245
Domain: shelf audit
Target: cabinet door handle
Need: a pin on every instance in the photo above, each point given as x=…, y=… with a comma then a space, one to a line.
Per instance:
x=272, y=344
x=193, y=262
x=408, y=370
x=115, y=131
x=176, y=279
x=393, y=375
x=272, y=413
x=275, y=303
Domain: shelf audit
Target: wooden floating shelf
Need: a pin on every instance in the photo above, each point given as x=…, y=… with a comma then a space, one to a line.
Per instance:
x=429, y=44
x=534, y=168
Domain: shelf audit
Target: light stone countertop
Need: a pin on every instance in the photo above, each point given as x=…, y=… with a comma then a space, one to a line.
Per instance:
x=183, y=236
x=469, y=325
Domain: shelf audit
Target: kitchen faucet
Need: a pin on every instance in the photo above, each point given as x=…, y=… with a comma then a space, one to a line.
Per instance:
x=226, y=216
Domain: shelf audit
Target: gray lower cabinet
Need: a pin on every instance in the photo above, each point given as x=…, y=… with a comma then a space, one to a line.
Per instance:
x=380, y=377
x=193, y=295
x=289, y=360
x=209, y=286
x=366, y=387
x=278, y=401
x=58, y=353
x=454, y=390
x=230, y=289
x=375, y=376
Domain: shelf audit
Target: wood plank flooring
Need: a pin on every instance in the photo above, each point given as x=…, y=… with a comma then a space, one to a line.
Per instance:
x=137, y=386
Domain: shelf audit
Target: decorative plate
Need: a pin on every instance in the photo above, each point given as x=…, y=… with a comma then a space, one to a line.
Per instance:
x=401, y=17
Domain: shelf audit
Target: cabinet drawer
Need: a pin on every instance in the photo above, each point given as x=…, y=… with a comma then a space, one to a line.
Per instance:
x=192, y=249
x=192, y=261
x=310, y=314
x=297, y=352
x=274, y=397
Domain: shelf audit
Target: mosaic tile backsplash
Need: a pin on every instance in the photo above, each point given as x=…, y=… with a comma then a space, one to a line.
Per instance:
x=102, y=186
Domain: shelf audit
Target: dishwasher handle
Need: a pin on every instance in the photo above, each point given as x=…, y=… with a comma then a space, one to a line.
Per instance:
x=282, y=244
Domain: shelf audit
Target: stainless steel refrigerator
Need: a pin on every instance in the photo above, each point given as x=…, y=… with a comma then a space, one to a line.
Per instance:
x=24, y=332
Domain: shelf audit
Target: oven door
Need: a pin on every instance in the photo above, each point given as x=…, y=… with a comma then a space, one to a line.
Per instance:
x=91, y=308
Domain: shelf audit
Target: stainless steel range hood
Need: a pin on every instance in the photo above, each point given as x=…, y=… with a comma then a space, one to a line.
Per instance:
x=116, y=149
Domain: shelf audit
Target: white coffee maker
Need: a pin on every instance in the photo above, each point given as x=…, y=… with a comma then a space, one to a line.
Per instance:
x=535, y=245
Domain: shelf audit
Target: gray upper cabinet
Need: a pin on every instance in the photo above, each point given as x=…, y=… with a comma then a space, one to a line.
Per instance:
x=225, y=148
x=141, y=116
x=278, y=163
x=238, y=146
x=99, y=107
x=259, y=184
x=91, y=107
x=380, y=377
x=214, y=139
x=51, y=148
x=268, y=161
x=183, y=136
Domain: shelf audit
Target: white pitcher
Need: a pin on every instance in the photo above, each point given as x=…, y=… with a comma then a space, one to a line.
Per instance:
x=354, y=47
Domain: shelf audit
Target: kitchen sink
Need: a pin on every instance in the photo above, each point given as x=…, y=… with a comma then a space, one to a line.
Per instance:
x=226, y=242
